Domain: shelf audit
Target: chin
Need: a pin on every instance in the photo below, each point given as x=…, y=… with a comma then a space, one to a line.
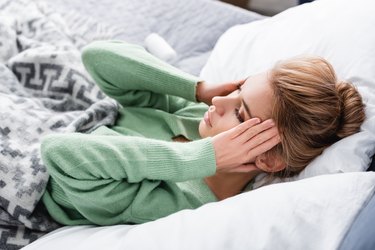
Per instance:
x=204, y=130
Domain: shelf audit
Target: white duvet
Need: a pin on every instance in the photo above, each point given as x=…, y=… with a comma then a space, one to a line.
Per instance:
x=314, y=213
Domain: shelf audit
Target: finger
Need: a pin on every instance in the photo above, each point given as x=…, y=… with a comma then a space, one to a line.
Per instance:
x=230, y=87
x=263, y=136
x=259, y=128
x=223, y=89
x=241, y=128
x=264, y=147
x=241, y=82
x=244, y=168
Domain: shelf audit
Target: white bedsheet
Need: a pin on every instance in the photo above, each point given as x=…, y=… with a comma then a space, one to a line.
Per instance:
x=313, y=213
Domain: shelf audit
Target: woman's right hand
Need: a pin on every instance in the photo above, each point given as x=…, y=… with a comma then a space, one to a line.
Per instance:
x=239, y=146
x=206, y=91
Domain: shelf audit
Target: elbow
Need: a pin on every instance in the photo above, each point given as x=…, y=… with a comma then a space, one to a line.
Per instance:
x=54, y=152
x=90, y=56
x=99, y=51
x=94, y=58
x=96, y=51
x=48, y=146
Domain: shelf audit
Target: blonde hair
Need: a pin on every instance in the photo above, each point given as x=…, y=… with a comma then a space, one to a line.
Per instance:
x=312, y=110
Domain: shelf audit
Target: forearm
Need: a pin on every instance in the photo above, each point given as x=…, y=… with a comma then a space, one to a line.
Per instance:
x=110, y=202
x=125, y=157
x=119, y=67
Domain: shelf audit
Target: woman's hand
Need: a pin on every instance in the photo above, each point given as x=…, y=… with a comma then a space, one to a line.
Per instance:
x=206, y=91
x=239, y=146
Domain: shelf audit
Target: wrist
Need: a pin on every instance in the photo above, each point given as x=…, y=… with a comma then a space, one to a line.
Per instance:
x=199, y=90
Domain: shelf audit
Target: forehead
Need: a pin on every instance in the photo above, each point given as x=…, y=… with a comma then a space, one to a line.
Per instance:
x=258, y=94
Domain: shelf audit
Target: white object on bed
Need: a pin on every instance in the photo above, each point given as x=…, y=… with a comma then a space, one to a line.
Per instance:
x=159, y=47
x=309, y=214
x=339, y=30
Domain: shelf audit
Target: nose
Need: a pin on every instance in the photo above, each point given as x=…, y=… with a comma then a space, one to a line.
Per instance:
x=218, y=103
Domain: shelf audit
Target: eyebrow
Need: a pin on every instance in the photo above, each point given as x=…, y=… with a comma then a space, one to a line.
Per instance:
x=247, y=109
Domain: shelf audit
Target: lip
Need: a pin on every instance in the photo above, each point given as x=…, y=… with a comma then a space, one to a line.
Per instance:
x=207, y=119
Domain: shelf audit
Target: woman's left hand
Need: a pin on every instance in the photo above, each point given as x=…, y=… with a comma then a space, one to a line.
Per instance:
x=237, y=148
x=206, y=91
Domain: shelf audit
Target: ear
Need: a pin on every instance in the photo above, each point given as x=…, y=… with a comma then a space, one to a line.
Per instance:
x=270, y=163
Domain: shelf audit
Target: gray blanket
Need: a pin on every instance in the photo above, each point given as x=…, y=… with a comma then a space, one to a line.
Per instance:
x=45, y=89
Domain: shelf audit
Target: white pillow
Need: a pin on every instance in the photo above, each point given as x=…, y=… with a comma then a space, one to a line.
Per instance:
x=342, y=31
x=314, y=213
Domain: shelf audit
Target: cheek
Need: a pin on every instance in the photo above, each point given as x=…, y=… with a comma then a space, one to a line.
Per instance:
x=225, y=124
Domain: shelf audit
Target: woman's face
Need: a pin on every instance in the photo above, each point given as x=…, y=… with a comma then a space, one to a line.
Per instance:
x=253, y=99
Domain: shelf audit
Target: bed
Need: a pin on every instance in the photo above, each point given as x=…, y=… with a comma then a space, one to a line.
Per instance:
x=45, y=89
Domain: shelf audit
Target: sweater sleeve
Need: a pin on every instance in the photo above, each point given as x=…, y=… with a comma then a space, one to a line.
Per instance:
x=128, y=158
x=99, y=179
x=133, y=77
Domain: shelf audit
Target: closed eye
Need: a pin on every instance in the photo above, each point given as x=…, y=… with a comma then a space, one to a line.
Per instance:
x=244, y=103
x=237, y=111
x=239, y=117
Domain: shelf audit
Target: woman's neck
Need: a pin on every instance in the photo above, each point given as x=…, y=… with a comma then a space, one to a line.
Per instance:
x=229, y=184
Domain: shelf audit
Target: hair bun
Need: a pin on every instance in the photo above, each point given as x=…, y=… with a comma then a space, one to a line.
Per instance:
x=351, y=107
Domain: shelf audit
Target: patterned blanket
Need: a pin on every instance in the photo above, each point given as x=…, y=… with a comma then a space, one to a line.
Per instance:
x=43, y=89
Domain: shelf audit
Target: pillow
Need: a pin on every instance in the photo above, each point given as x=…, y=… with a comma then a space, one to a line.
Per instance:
x=338, y=30
x=293, y=215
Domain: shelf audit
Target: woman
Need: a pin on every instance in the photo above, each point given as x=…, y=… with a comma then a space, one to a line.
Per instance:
x=138, y=170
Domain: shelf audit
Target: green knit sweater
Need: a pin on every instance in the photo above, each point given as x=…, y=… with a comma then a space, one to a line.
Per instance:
x=132, y=172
